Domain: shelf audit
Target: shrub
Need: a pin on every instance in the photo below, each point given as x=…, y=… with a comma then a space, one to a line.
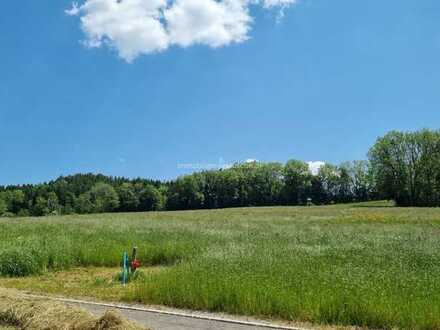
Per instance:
x=18, y=263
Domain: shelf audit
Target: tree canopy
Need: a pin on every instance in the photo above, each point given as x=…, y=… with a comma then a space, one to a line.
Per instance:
x=404, y=166
x=247, y=184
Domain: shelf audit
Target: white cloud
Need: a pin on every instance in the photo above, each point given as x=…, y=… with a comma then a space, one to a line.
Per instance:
x=315, y=166
x=277, y=3
x=74, y=10
x=208, y=22
x=137, y=27
x=133, y=27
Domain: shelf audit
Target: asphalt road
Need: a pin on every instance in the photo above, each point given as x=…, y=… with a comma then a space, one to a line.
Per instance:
x=164, y=318
x=179, y=320
x=157, y=321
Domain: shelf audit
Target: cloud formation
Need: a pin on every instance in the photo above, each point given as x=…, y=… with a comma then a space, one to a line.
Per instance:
x=315, y=166
x=139, y=27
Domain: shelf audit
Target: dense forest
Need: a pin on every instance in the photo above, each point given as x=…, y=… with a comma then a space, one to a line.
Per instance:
x=401, y=166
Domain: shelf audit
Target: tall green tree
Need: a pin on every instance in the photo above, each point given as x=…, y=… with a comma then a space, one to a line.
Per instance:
x=84, y=204
x=345, y=184
x=3, y=205
x=53, y=205
x=150, y=199
x=104, y=198
x=186, y=193
x=297, y=182
x=329, y=177
x=40, y=206
x=128, y=197
x=363, y=185
x=406, y=167
x=15, y=200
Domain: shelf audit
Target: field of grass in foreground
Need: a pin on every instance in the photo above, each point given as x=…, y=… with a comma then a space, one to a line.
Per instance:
x=363, y=265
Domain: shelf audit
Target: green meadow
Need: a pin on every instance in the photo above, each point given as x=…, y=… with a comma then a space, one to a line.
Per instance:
x=369, y=265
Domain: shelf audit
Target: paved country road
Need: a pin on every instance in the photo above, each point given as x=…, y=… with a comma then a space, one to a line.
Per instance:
x=157, y=321
x=170, y=319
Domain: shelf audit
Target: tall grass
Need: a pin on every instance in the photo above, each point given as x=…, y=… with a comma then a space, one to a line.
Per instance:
x=366, y=266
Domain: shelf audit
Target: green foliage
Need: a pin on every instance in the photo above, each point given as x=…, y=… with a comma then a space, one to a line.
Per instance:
x=103, y=198
x=137, y=275
x=129, y=199
x=248, y=184
x=150, y=199
x=81, y=193
x=40, y=206
x=84, y=204
x=16, y=262
x=406, y=167
x=53, y=206
x=3, y=206
x=363, y=185
x=402, y=166
x=297, y=178
x=14, y=200
x=186, y=193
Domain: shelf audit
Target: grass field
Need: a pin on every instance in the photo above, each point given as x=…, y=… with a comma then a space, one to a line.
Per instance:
x=368, y=265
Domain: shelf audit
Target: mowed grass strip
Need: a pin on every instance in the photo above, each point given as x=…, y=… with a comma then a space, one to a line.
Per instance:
x=20, y=312
x=366, y=265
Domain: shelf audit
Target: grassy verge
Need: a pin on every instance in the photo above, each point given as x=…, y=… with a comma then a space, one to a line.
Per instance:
x=20, y=312
x=363, y=265
x=91, y=283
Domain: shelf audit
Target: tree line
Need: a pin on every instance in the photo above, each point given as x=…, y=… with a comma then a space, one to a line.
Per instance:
x=248, y=184
x=403, y=166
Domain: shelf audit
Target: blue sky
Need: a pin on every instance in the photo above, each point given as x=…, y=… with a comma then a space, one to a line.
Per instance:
x=320, y=83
